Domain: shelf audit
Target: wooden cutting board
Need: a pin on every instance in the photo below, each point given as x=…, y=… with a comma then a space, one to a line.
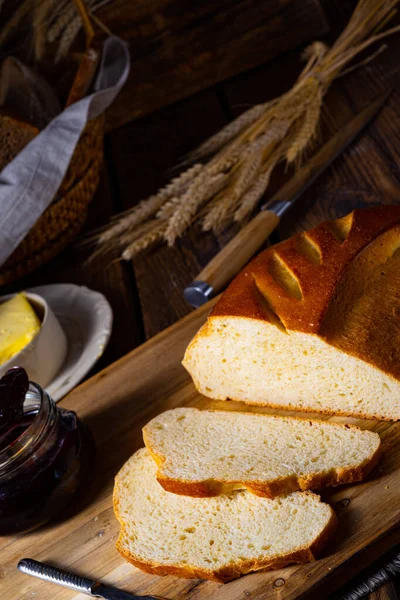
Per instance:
x=115, y=404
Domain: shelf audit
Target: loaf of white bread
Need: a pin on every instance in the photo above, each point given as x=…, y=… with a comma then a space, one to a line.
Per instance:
x=312, y=323
x=205, y=453
x=214, y=538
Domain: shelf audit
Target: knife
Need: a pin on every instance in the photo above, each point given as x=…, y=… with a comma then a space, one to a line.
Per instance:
x=76, y=582
x=228, y=262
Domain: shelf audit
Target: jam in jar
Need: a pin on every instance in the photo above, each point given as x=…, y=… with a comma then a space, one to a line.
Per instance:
x=45, y=453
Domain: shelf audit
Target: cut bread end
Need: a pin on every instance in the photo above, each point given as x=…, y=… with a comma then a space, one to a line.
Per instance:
x=253, y=361
x=213, y=538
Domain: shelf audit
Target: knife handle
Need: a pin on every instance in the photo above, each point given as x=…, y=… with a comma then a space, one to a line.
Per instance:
x=231, y=259
x=64, y=578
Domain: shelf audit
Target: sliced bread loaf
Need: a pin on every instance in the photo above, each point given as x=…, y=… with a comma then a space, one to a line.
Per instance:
x=207, y=453
x=311, y=323
x=214, y=538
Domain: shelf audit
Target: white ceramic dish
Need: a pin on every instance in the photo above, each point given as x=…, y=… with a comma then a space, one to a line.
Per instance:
x=46, y=352
x=86, y=319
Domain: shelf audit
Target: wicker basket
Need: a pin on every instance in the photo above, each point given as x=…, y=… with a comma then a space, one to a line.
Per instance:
x=64, y=218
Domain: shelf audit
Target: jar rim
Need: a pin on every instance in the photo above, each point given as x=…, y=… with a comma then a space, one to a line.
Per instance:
x=19, y=446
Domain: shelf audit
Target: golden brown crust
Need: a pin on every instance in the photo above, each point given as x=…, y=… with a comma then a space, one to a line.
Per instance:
x=338, y=295
x=274, y=488
x=267, y=489
x=317, y=281
x=228, y=572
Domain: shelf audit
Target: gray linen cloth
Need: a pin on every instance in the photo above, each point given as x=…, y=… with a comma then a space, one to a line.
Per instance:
x=29, y=183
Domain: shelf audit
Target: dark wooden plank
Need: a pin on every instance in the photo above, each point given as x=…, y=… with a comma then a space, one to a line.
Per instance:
x=143, y=154
x=368, y=172
x=113, y=281
x=179, y=47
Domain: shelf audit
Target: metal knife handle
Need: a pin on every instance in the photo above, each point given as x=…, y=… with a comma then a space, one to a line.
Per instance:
x=230, y=260
x=64, y=578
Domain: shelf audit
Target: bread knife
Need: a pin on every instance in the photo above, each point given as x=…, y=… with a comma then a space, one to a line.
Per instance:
x=230, y=260
x=76, y=582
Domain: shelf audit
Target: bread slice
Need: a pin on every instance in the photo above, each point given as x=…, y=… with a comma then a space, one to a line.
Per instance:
x=213, y=538
x=207, y=453
x=311, y=323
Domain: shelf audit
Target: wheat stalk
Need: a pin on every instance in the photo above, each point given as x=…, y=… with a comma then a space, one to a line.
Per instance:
x=217, y=216
x=9, y=28
x=147, y=208
x=253, y=196
x=67, y=38
x=230, y=131
x=238, y=160
x=40, y=17
x=308, y=130
x=58, y=25
x=203, y=189
x=51, y=21
x=151, y=237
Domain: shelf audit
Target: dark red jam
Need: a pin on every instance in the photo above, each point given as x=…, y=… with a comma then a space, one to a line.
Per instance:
x=45, y=453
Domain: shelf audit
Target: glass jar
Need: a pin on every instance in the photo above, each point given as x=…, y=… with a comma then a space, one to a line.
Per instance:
x=43, y=459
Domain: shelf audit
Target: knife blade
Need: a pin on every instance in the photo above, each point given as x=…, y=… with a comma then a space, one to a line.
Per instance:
x=230, y=260
x=76, y=582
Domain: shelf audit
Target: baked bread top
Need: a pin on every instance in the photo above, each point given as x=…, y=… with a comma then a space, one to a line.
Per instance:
x=340, y=280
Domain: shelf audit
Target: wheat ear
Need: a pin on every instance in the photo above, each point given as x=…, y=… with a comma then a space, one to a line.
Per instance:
x=67, y=38
x=141, y=212
x=308, y=130
x=40, y=18
x=219, y=214
x=227, y=133
x=254, y=195
x=202, y=189
x=67, y=14
x=154, y=234
x=150, y=206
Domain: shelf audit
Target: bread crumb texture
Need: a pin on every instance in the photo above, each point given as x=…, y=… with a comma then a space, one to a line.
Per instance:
x=206, y=453
x=217, y=538
x=312, y=323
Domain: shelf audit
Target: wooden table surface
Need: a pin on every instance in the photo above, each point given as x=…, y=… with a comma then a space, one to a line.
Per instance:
x=146, y=294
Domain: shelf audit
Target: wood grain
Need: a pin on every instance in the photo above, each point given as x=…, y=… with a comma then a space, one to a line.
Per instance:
x=115, y=404
x=179, y=47
x=144, y=150
x=368, y=172
x=144, y=154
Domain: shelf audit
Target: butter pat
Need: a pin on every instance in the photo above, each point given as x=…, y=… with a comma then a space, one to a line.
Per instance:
x=18, y=326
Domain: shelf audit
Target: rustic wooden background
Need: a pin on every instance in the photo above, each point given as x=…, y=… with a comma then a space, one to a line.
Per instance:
x=189, y=52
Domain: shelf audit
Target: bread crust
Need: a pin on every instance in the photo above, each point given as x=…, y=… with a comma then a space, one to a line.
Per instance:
x=261, y=292
x=267, y=489
x=228, y=572
x=271, y=489
x=317, y=281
